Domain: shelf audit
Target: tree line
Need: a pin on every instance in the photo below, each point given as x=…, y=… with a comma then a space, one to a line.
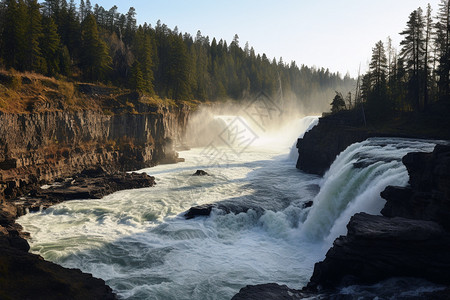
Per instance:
x=413, y=77
x=91, y=43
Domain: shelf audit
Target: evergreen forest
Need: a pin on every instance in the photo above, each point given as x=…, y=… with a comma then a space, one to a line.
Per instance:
x=413, y=77
x=85, y=42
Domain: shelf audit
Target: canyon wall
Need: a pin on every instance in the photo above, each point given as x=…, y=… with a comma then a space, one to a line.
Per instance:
x=43, y=146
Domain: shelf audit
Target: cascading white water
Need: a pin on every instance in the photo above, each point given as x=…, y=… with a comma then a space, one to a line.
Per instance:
x=354, y=182
x=139, y=242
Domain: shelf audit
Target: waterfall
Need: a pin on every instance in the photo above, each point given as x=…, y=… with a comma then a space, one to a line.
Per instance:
x=305, y=125
x=354, y=182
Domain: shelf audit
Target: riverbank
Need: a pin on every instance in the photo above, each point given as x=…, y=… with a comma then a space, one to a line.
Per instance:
x=59, y=133
x=27, y=276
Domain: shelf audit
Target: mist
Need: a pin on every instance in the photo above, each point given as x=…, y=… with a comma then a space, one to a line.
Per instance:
x=267, y=118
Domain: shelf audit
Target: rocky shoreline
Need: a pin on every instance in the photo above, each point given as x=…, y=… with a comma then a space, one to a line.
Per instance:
x=27, y=276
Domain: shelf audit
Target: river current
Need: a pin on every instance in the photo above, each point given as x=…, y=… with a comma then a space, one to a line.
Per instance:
x=139, y=242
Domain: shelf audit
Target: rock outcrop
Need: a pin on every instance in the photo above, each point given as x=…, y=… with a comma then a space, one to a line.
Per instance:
x=89, y=184
x=428, y=195
x=377, y=248
x=269, y=291
x=40, y=147
x=319, y=147
x=200, y=173
x=27, y=276
x=411, y=239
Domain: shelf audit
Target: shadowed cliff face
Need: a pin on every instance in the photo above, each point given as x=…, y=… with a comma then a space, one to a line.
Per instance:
x=43, y=146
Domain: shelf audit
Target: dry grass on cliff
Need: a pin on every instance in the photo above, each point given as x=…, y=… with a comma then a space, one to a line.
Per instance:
x=31, y=92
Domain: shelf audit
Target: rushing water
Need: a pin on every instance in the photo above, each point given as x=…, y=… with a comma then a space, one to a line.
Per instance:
x=140, y=243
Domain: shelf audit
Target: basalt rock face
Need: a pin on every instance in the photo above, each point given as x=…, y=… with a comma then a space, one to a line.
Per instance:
x=428, y=195
x=319, y=147
x=40, y=147
x=377, y=248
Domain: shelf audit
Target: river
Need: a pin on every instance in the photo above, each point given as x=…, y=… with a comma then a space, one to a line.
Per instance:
x=139, y=242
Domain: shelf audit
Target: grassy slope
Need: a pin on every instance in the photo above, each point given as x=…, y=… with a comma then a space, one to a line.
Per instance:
x=31, y=92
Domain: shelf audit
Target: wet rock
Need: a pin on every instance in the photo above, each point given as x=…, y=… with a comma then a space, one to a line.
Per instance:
x=333, y=134
x=197, y=211
x=308, y=204
x=428, y=196
x=28, y=276
x=84, y=187
x=269, y=291
x=200, y=173
x=377, y=248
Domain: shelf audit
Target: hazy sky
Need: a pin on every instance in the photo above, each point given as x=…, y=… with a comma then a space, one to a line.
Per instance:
x=335, y=34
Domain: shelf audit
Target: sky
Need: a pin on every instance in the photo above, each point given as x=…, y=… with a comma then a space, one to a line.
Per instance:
x=334, y=34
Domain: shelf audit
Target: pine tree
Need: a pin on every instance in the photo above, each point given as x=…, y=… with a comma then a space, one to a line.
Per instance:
x=442, y=44
x=82, y=11
x=130, y=25
x=95, y=59
x=178, y=69
x=338, y=103
x=14, y=43
x=378, y=65
x=137, y=79
x=413, y=54
x=426, y=59
x=51, y=45
x=34, y=59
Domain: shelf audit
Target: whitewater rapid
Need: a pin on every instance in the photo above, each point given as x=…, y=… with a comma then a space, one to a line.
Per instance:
x=139, y=242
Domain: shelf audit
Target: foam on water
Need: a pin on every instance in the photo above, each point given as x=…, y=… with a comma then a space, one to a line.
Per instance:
x=139, y=242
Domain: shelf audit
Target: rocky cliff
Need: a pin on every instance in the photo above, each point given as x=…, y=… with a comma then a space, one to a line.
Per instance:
x=333, y=134
x=43, y=146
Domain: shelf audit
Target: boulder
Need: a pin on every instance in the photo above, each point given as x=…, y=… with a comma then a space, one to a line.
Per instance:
x=28, y=276
x=200, y=173
x=197, y=211
x=269, y=291
x=377, y=248
x=428, y=196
